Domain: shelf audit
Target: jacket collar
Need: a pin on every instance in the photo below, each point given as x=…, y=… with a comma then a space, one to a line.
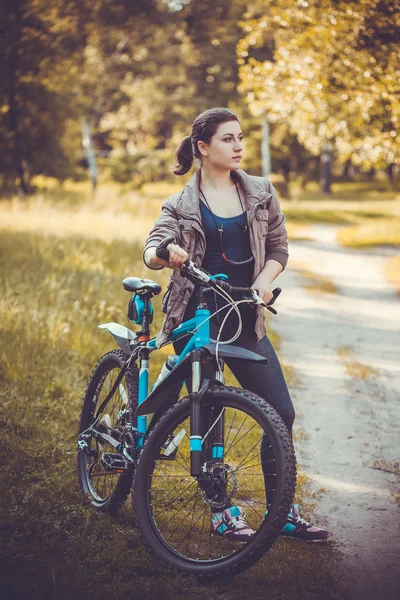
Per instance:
x=255, y=193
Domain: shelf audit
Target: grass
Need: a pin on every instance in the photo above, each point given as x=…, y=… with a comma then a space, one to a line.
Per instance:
x=367, y=215
x=354, y=203
x=382, y=464
x=58, y=280
x=315, y=283
x=381, y=232
x=354, y=368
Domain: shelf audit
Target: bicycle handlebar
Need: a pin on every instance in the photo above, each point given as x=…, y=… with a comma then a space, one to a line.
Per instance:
x=208, y=280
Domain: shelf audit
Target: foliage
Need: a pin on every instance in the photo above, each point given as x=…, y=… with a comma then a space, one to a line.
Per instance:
x=40, y=46
x=138, y=168
x=329, y=70
x=140, y=72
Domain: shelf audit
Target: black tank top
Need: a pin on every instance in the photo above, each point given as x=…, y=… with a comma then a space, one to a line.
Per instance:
x=236, y=242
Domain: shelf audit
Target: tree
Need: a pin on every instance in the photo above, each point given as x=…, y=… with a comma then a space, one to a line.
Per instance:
x=334, y=76
x=39, y=41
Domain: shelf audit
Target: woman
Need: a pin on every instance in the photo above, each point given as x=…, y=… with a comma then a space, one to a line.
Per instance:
x=228, y=222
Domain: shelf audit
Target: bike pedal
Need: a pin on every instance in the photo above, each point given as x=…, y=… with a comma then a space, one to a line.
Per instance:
x=114, y=462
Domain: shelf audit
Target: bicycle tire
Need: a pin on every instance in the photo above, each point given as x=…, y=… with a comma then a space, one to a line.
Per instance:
x=110, y=498
x=148, y=495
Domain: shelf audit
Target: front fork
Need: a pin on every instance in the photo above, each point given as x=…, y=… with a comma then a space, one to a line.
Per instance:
x=211, y=448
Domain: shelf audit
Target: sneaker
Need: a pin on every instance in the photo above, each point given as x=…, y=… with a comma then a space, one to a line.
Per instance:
x=231, y=524
x=298, y=528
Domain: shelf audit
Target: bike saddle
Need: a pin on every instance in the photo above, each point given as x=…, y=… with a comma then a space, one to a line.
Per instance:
x=135, y=284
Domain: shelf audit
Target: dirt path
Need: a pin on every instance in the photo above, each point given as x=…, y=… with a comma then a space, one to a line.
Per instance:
x=345, y=348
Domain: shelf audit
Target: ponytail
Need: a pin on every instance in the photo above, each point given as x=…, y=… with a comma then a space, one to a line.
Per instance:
x=184, y=156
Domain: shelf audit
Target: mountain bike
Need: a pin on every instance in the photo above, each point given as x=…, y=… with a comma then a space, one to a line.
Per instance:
x=185, y=459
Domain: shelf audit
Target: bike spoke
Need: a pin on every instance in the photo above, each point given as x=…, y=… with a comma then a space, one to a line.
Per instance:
x=230, y=428
x=240, y=439
x=237, y=433
x=183, y=518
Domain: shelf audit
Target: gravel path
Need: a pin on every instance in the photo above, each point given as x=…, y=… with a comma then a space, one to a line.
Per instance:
x=345, y=347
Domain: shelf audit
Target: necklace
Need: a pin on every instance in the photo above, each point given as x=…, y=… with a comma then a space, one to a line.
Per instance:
x=221, y=230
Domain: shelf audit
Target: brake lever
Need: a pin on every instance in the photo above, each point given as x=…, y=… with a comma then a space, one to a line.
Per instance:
x=275, y=294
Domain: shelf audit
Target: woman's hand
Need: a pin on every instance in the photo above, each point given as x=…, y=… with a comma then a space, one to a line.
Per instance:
x=263, y=283
x=264, y=292
x=177, y=256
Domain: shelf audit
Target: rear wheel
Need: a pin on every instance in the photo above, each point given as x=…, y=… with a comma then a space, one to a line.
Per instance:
x=257, y=470
x=105, y=475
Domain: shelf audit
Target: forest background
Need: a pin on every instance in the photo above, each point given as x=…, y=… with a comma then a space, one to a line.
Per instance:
x=321, y=76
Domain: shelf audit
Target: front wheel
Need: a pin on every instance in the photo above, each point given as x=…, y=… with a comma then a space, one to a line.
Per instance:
x=255, y=470
x=105, y=475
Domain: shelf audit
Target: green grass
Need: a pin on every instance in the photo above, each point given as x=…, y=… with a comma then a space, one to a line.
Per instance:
x=355, y=368
x=54, y=291
x=353, y=203
x=380, y=232
x=315, y=283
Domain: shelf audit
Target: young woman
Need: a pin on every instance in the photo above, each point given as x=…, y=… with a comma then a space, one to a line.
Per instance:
x=228, y=222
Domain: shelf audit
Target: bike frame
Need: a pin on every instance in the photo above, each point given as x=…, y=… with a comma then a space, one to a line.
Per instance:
x=199, y=329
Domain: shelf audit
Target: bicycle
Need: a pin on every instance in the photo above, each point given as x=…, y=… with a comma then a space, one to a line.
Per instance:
x=218, y=446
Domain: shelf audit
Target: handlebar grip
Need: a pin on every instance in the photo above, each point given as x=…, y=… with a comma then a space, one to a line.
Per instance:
x=275, y=294
x=162, y=248
x=224, y=285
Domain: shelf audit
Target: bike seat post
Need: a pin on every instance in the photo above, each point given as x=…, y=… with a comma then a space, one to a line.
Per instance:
x=145, y=333
x=144, y=336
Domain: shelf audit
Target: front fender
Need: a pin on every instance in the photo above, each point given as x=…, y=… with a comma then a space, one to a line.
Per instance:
x=125, y=338
x=167, y=391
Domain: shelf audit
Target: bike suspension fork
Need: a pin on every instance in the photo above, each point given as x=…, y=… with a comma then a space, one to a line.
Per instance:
x=214, y=444
x=216, y=435
x=195, y=414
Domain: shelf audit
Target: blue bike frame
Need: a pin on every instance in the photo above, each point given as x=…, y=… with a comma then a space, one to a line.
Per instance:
x=199, y=327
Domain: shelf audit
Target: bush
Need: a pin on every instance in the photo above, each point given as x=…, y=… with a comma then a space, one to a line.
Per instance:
x=138, y=168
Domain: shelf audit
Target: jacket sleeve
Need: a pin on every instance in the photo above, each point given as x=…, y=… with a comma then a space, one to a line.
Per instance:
x=165, y=225
x=277, y=239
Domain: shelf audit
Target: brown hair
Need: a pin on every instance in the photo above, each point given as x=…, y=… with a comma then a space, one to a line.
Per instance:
x=203, y=128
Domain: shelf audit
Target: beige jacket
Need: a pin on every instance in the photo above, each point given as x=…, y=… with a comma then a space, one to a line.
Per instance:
x=181, y=218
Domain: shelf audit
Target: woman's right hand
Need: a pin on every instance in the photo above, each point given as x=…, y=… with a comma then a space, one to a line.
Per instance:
x=177, y=256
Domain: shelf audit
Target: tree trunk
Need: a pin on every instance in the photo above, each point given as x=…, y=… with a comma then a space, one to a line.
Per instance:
x=326, y=168
x=265, y=151
x=19, y=163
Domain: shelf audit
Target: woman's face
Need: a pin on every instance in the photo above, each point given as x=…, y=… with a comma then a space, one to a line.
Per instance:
x=225, y=149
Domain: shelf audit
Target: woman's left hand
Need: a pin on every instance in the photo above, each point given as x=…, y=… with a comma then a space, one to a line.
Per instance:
x=263, y=291
x=263, y=283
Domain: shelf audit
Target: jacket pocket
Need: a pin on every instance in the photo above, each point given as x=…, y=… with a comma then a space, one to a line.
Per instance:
x=187, y=234
x=262, y=221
